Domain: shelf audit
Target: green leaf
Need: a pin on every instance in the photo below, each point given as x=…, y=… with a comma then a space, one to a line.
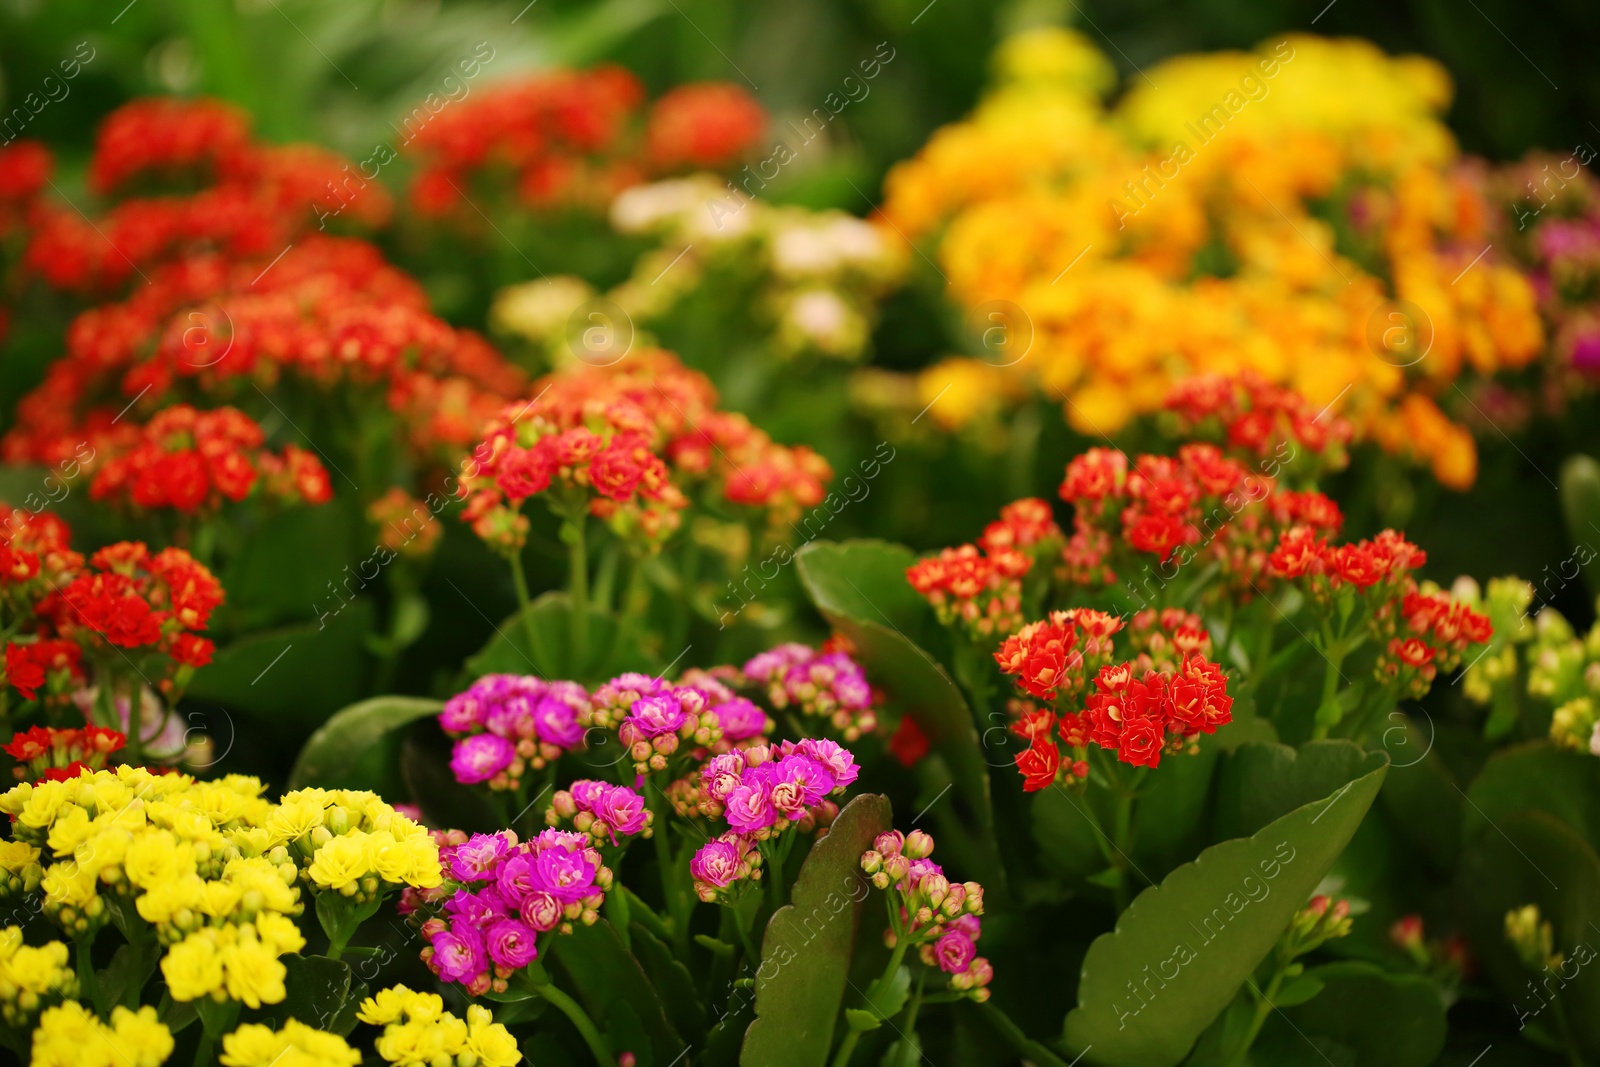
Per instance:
x=860, y=588
x=508, y=651
x=905, y=1052
x=671, y=979
x=432, y=785
x=614, y=989
x=806, y=952
x=1262, y=781
x=1185, y=947
x=862, y=1020
x=329, y=757
x=1422, y=796
x=1531, y=857
x=318, y=989
x=1362, y=1015
x=1580, y=502
x=1298, y=990
x=887, y=996
x=1536, y=776
x=294, y=566
x=295, y=677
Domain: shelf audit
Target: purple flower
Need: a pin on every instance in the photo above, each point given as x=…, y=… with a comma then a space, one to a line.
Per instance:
x=476, y=909
x=567, y=876
x=749, y=807
x=797, y=782
x=621, y=809
x=458, y=954
x=511, y=944
x=586, y=793
x=557, y=722
x=721, y=775
x=653, y=716
x=1586, y=354
x=541, y=911
x=462, y=713
x=775, y=661
x=481, y=757
x=475, y=860
x=717, y=863
x=511, y=719
x=516, y=878
x=741, y=720
x=835, y=757
x=954, y=951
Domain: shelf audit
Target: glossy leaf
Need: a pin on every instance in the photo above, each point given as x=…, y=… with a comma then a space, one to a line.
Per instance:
x=331, y=753
x=1262, y=781
x=1184, y=948
x=806, y=952
x=1536, y=776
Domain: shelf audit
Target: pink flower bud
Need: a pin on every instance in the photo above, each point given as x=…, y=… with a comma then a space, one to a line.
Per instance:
x=919, y=845
x=890, y=843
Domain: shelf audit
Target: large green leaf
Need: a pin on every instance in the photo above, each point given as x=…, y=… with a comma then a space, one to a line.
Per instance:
x=1531, y=857
x=805, y=954
x=297, y=566
x=295, y=677
x=616, y=992
x=1537, y=776
x=1362, y=1015
x=861, y=589
x=1580, y=502
x=331, y=754
x=1185, y=947
x=550, y=654
x=1262, y=781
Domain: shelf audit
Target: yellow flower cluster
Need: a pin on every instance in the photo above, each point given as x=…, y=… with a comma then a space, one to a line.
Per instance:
x=69, y=1035
x=419, y=1032
x=216, y=868
x=31, y=977
x=296, y=1045
x=1300, y=211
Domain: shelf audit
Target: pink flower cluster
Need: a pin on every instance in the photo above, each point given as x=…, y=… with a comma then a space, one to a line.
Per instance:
x=507, y=894
x=603, y=811
x=653, y=717
x=506, y=724
x=825, y=685
x=936, y=916
x=762, y=791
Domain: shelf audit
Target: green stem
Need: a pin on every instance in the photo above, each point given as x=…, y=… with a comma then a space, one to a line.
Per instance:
x=1264, y=1008
x=88, y=981
x=578, y=590
x=519, y=578
x=579, y=1019
x=1121, y=838
x=846, y=1047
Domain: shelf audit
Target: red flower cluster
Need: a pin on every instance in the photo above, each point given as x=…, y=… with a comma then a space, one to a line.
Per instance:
x=190, y=460
x=330, y=312
x=237, y=197
x=130, y=599
x=30, y=667
x=980, y=586
x=1255, y=417
x=567, y=138
x=628, y=438
x=47, y=754
x=705, y=126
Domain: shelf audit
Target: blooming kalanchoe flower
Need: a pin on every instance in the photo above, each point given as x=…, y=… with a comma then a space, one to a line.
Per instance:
x=721, y=864
x=603, y=811
x=828, y=685
x=507, y=724
x=505, y=895
x=935, y=916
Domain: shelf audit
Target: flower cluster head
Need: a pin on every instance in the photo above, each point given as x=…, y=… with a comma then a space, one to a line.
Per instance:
x=69, y=1035
x=506, y=724
x=625, y=442
x=1131, y=708
x=722, y=863
x=507, y=893
x=258, y=1045
x=653, y=719
x=52, y=754
x=981, y=591
x=603, y=811
x=406, y=526
x=51, y=664
x=417, y=1029
x=32, y=978
x=571, y=138
x=201, y=184
x=1252, y=417
x=937, y=917
x=195, y=461
x=829, y=686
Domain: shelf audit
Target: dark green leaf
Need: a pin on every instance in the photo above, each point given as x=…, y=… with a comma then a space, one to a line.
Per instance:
x=297, y=565
x=805, y=954
x=1536, y=776
x=1263, y=781
x=318, y=988
x=550, y=656
x=1297, y=990
x=331, y=753
x=1185, y=947
x=671, y=979
x=1580, y=501
x=614, y=989
x=1362, y=1015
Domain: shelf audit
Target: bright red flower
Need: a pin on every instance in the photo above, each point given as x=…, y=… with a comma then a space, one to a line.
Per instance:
x=1038, y=655
x=1039, y=764
x=1141, y=742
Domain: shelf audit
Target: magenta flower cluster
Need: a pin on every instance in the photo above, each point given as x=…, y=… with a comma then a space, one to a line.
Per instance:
x=936, y=916
x=507, y=894
x=506, y=724
x=652, y=718
x=825, y=685
x=603, y=811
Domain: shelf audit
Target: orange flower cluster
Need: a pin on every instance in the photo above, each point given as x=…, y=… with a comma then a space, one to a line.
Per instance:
x=570, y=138
x=240, y=198
x=627, y=440
x=328, y=313
x=1251, y=417
x=980, y=586
x=192, y=460
x=47, y=754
